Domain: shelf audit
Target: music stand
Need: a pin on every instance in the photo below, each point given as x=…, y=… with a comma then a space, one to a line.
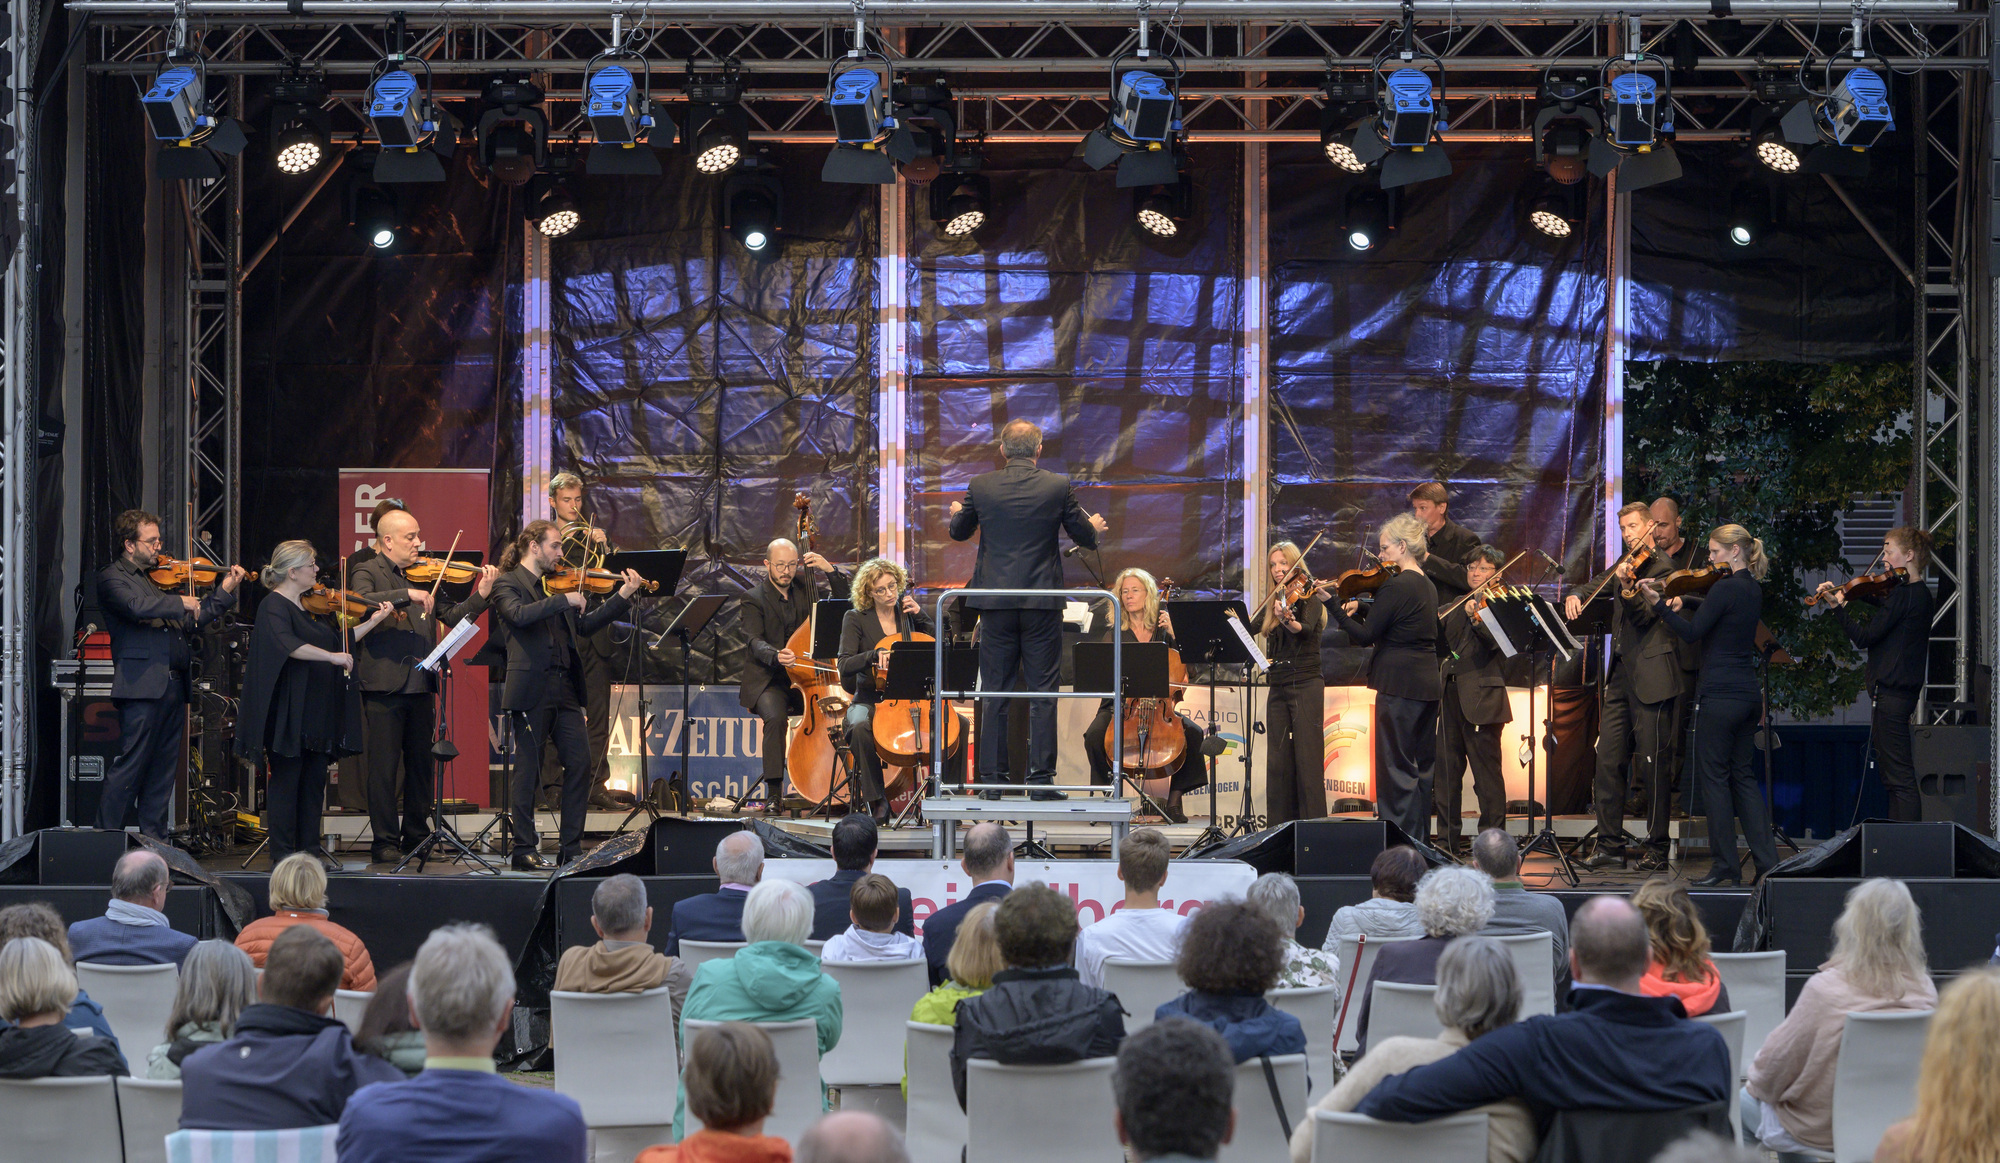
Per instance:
x=1145, y=675
x=912, y=673
x=693, y=617
x=663, y=566
x=1203, y=631
x=1528, y=625
x=443, y=751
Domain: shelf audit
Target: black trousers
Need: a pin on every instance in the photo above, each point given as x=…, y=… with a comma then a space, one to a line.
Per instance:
x=1460, y=743
x=1631, y=729
x=1191, y=774
x=399, y=727
x=1032, y=641
x=861, y=741
x=774, y=709
x=293, y=799
x=1405, y=760
x=1725, y=729
x=597, y=713
x=1295, y=767
x=150, y=732
x=558, y=718
x=1891, y=732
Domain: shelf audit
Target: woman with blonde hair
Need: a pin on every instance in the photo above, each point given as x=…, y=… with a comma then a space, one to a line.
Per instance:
x=882, y=609
x=1681, y=966
x=298, y=897
x=1956, y=1120
x=37, y=987
x=1140, y=619
x=968, y=970
x=1877, y=966
x=1295, y=705
x=1897, y=639
x=1402, y=626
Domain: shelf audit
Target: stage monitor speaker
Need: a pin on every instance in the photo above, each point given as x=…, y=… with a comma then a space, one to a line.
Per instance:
x=1954, y=778
x=1336, y=847
x=81, y=856
x=1907, y=851
x=687, y=847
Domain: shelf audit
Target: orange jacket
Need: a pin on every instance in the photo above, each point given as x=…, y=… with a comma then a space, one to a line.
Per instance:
x=256, y=940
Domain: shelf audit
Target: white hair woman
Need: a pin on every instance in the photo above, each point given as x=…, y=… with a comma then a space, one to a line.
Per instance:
x=773, y=978
x=217, y=981
x=1305, y=967
x=36, y=989
x=1452, y=902
x=1877, y=965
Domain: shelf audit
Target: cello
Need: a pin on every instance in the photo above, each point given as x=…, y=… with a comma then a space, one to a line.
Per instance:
x=809, y=753
x=903, y=726
x=1154, y=741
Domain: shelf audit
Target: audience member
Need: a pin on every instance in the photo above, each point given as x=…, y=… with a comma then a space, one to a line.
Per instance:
x=1681, y=965
x=1877, y=966
x=1956, y=1119
x=1037, y=1011
x=1175, y=1086
x=852, y=1137
x=1516, y=910
x=975, y=958
x=387, y=1030
x=1478, y=992
x=298, y=897
x=1703, y=1147
x=217, y=984
x=774, y=978
x=289, y=1062
x=1452, y=902
x=133, y=930
x=1138, y=929
x=872, y=936
x=1616, y=1049
x=623, y=960
x=1305, y=967
x=731, y=1082
x=1230, y=957
x=988, y=862
x=459, y=1110
x=38, y=919
x=718, y=916
x=854, y=842
x=1390, y=913
x=37, y=988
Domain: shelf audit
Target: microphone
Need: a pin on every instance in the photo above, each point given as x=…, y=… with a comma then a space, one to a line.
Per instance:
x=1073, y=550
x=1543, y=554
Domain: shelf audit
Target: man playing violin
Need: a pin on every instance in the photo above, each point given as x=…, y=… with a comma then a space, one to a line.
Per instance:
x=585, y=544
x=1473, y=713
x=1897, y=638
x=773, y=609
x=151, y=656
x=880, y=606
x=398, y=703
x=1681, y=552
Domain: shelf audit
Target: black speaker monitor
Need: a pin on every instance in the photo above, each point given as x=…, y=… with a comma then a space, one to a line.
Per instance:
x=81, y=856
x=1336, y=847
x=687, y=847
x=1907, y=851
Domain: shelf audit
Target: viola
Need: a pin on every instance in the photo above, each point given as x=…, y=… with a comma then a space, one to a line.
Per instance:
x=1352, y=583
x=1691, y=581
x=346, y=604
x=590, y=581
x=1637, y=560
x=171, y=573
x=903, y=726
x=809, y=753
x=1868, y=585
x=1153, y=740
x=426, y=571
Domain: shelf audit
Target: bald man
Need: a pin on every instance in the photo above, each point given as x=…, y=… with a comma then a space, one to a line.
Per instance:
x=851, y=1137
x=134, y=928
x=772, y=610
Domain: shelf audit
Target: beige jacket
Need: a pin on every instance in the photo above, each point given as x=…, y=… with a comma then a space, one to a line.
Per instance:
x=1794, y=1070
x=626, y=968
x=1510, y=1129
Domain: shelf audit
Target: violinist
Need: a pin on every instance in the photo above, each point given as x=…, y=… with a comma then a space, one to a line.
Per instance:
x=585, y=544
x=151, y=656
x=544, y=690
x=1472, y=712
x=1680, y=552
x=299, y=712
x=1897, y=638
x=1142, y=620
x=374, y=546
x=772, y=610
x=1728, y=701
x=1295, y=707
x=1448, y=546
x=398, y=701
x=1402, y=626
x=880, y=606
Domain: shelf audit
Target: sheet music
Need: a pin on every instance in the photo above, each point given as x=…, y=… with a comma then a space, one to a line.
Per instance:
x=459, y=636
x=1249, y=644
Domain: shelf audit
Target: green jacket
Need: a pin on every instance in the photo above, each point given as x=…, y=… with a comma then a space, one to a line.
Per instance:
x=939, y=1007
x=770, y=981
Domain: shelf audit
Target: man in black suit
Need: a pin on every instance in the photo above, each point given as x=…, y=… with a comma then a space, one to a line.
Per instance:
x=1018, y=512
x=718, y=916
x=1681, y=552
x=150, y=658
x=1472, y=714
x=399, y=701
x=988, y=861
x=773, y=610
x=854, y=842
x=544, y=691
x=1448, y=545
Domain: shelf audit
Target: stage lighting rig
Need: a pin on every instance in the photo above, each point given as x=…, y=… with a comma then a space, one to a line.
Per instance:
x=1143, y=130
x=1566, y=123
x=374, y=216
x=301, y=128
x=627, y=123
x=1368, y=215
x=551, y=206
x=718, y=128
x=857, y=94
x=753, y=208
x=1637, y=120
x=513, y=132
x=193, y=140
x=961, y=198
x=1833, y=127
x=1403, y=131
x=1343, y=108
x=417, y=134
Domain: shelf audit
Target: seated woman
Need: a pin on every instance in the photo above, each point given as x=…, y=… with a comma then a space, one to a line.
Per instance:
x=1681, y=966
x=217, y=981
x=1478, y=992
x=1878, y=965
x=881, y=610
x=732, y=1087
x=40, y=919
x=298, y=897
x=37, y=988
x=969, y=970
x=1956, y=1117
x=1390, y=913
x=1278, y=895
x=1231, y=955
x=1140, y=619
x=386, y=1030
x=1452, y=902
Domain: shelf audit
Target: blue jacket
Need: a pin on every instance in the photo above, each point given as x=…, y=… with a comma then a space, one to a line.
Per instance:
x=1251, y=1025
x=942, y=927
x=103, y=941
x=282, y=1068
x=713, y=916
x=460, y=1116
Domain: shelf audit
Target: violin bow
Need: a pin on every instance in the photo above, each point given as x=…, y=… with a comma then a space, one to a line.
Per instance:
x=1286, y=580
x=439, y=580
x=1474, y=591
x=340, y=616
x=1613, y=571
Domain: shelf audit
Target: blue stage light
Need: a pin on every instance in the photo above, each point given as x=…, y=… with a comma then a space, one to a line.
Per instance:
x=193, y=140
x=860, y=105
x=173, y=105
x=1858, y=112
x=1409, y=117
x=1145, y=109
x=1633, y=118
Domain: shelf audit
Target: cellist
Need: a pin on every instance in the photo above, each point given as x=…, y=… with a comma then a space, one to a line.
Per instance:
x=772, y=610
x=1142, y=620
x=879, y=604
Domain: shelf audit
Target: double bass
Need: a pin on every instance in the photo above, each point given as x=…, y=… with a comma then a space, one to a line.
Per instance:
x=809, y=753
x=1154, y=741
x=903, y=726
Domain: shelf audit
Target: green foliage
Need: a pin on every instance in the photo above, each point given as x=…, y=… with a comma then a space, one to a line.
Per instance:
x=1781, y=449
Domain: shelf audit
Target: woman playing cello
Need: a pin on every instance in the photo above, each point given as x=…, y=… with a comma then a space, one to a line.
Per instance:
x=1295, y=709
x=879, y=606
x=1141, y=620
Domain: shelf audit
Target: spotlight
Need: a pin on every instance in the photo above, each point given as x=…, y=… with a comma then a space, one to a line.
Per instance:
x=551, y=207
x=1752, y=210
x=1368, y=216
x=1834, y=130
x=628, y=124
x=1638, y=119
x=417, y=134
x=374, y=216
x=961, y=201
x=1545, y=218
x=1166, y=210
x=1402, y=131
x=858, y=98
x=1558, y=210
x=1143, y=127
x=718, y=130
x=1340, y=119
x=1565, y=124
x=753, y=209
x=512, y=132
x=193, y=141
x=301, y=131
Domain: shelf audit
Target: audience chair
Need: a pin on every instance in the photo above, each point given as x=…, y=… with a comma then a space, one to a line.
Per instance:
x=1350, y=970
x=349, y=1005
x=935, y=1125
x=148, y=1111
x=1581, y=1136
x=1342, y=1137
x=1050, y=1114
x=71, y=1119
x=1316, y=1009
x=614, y=1054
x=1756, y=985
x=1402, y=1008
x=137, y=1000
x=297, y=1145
x=800, y=1103
x=875, y=999
x=1731, y=1024
x=1263, y=1125
x=1142, y=987
x=696, y=952
x=1875, y=1080
x=816, y=947
x=1534, y=962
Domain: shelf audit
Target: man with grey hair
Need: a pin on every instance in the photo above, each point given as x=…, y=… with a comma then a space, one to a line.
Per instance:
x=1452, y=902
x=1516, y=910
x=459, y=1110
x=772, y=610
x=1305, y=968
x=988, y=862
x=622, y=961
x=851, y=1137
x=133, y=930
x=1018, y=511
x=718, y=916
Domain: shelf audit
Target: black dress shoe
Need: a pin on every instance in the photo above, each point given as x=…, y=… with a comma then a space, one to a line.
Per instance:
x=383, y=854
x=1047, y=793
x=1606, y=858
x=531, y=863
x=1719, y=878
x=989, y=795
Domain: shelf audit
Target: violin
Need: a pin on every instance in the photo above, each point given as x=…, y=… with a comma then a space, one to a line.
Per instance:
x=1868, y=585
x=590, y=581
x=345, y=604
x=1637, y=560
x=1636, y=556
x=426, y=571
x=171, y=573
x=1352, y=583
x=1691, y=581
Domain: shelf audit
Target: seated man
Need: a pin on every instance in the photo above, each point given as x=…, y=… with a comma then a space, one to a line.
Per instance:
x=133, y=930
x=1515, y=909
x=718, y=916
x=987, y=858
x=290, y=1062
x=1140, y=930
x=623, y=960
x=854, y=842
x=459, y=1110
x=1616, y=1050
x=37, y=919
x=1037, y=1011
x=872, y=935
x=1174, y=1084
x=732, y=1086
x=851, y=1137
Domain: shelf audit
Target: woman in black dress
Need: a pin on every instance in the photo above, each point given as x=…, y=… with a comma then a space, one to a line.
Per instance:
x=1402, y=626
x=1141, y=620
x=299, y=712
x=1897, y=638
x=880, y=609
x=1728, y=701
x=1295, y=709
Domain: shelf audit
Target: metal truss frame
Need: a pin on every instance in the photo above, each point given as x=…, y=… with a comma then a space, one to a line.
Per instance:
x=19, y=437
x=212, y=352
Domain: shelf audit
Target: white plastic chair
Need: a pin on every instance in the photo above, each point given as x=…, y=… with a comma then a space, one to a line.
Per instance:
x=1141, y=987
x=298, y=1145
x=1342, y=1136
x=875, y=1001
x=1316, y=1009
x=1875, y=1080
x=137, y=1001
x=1356, y=962
x=799, y=1101
x=71, y=1119
x=1050, y=1114
x=148, y=1111
x=935, y=1126
x=1731, y=1024
x=614, y=1054
x=1534, y=963
x=1756, y=985
x=1260, y=1135
x=1402, y=1009
x=696, y=952
x=817, y=947
x=349, y=1005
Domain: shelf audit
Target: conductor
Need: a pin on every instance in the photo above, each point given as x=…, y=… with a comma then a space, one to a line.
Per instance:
x=1020, y=509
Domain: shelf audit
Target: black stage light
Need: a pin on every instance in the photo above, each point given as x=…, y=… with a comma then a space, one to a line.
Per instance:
x=1166, y=210
x=961, y=203
x=718, y=129
x=1752, y=211
x=1565, y=124
x=374, y=216
x=1833, y=129
x=551, y=207
x=753, y=209
x=193, y=140
x=512, y=132
x=1557, y=212
x=301, y=129
x=1368, y=217
x=1343, y=109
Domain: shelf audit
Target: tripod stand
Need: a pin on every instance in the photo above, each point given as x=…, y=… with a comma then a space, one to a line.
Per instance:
x=1769, y=654
x=1527, y=624
x=443, y=750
